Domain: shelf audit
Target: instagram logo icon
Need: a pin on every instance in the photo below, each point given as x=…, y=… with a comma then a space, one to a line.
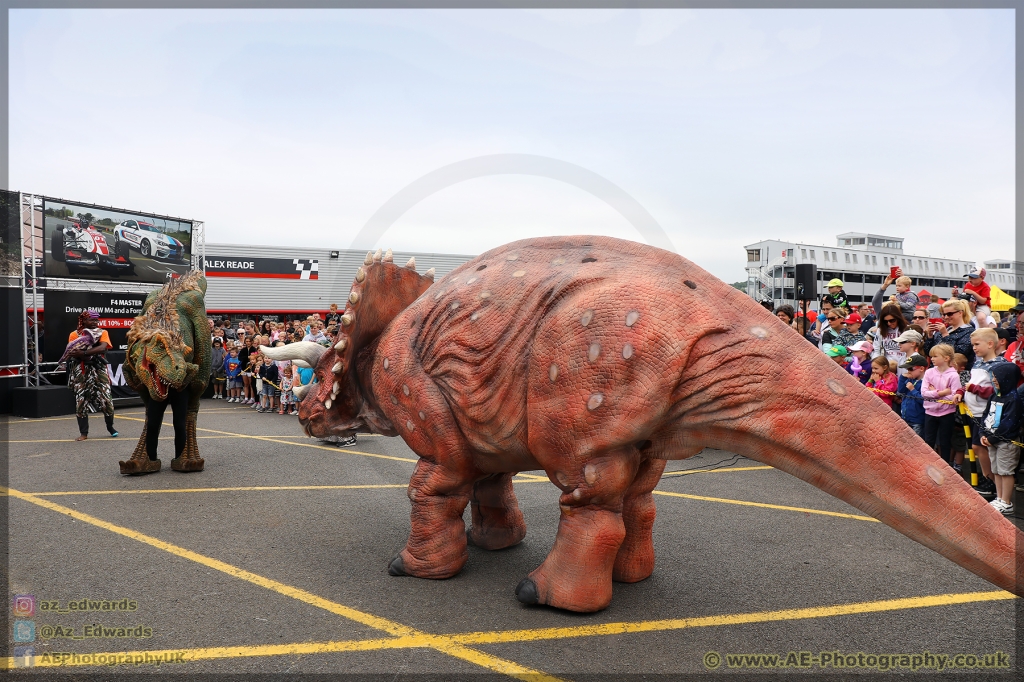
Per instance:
x=24, y=605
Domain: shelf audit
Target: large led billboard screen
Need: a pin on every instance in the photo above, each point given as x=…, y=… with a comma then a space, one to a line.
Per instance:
x=81, y=241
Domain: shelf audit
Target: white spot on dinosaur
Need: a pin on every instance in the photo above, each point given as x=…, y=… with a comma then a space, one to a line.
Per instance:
x=590, y=473
x=558, y=261
x=409, y=425
x=759, y=332
x=553, y=371
x=935, y=474
x=836, y=387
x=587, y=317
x=595, y=350
x=519, y=273
x=387, y=363
x=423, y=417
x=405, y=389
x=512, y=257
x=627, y=351
x=485, y=294
x=631, y=318
x=471, y=280
x=595, y=401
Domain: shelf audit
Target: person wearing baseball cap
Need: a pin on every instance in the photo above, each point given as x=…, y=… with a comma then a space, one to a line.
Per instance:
x=836, y=296
x=912, y=405
x=977, y=292
x=852, y=324
x=911, y=343
x=860, y=363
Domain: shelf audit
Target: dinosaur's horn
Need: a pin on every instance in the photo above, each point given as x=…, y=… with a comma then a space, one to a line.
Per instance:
x=302, y=350
x=300, y=391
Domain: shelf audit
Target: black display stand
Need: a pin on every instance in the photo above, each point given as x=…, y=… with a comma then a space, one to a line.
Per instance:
x=42, y=401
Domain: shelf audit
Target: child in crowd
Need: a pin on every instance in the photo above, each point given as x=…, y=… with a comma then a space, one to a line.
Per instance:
x=941, y=381
x=977, y=394
x=959, y=436
x=232, y=375
x=217, y=374
x=268, y=373
x=860, y=364
x=906, y=299
x=1000, y=425
x=836, y=297
x=883, y=379
x=912, y=409
x=287, y=399
x=837, y=353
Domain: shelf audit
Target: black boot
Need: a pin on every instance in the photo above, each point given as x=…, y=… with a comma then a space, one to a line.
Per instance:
x=109, y=418
x=83, y=425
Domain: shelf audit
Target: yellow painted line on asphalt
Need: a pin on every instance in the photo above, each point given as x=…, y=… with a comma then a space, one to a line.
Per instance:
x=529, y=635
x=767, y=506
x=438, y=642
x=273, y=439
x=723, y=470
x=104, y=439
x=220, y=490
x=731, y=619
x=31, y=420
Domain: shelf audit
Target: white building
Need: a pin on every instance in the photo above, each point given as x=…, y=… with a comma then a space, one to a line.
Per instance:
x=860, y=259
x=1008, y=275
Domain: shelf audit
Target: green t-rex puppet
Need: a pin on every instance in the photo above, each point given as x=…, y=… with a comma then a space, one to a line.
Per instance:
x=168, y=361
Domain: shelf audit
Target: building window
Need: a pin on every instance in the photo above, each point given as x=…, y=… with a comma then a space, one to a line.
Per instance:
x=847, y=257
x=812, y=254
x=753, y=255
x=919, y=266
x=803, y=253
x=834, y=259
x=854, y=258
x=874, y=260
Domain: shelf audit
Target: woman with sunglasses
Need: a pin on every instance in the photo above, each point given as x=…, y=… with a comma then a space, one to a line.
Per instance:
x=954, y=330
x=835, y=334
x=890, y=325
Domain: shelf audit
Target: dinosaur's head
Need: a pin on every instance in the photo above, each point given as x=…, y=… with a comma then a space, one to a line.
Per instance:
x=161, y=361
x=339, y=403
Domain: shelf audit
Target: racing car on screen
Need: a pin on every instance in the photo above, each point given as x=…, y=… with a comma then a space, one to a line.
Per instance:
x=149, y=241
x=78, y=244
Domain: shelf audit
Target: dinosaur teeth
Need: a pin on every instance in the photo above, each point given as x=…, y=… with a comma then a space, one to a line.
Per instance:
x=368, y=260
x=335, y=389
x=388, y=257
x=328, y=403
x=347, y=319
x=376, y=256
x=360, y=273
x=341, y=345
x=337, y=368
x=411, y=264
x=429, y=274
x=353, y=298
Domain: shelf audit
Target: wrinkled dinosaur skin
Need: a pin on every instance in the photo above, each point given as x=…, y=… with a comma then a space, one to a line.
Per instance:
x=168, y=346
x=596, y=360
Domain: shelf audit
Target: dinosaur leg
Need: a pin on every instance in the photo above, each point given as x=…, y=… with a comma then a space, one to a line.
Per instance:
x=577, y=573
x=143, y=459
x=497, y=521
x=437, y=542
x=635, y=560
x=186, y=450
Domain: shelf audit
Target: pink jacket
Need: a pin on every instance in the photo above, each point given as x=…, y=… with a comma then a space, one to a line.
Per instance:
x=934, y=381
x=886, y=384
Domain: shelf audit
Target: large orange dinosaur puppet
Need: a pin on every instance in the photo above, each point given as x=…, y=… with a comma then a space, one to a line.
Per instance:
x=596, y=360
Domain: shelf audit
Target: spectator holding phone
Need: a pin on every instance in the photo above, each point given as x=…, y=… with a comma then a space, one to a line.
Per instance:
x=954, y=330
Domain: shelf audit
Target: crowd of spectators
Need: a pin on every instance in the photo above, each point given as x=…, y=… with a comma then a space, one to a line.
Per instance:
x=924, y=357
x=242, y=374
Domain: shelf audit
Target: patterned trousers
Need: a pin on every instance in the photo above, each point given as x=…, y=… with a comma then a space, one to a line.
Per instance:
x=92, y=388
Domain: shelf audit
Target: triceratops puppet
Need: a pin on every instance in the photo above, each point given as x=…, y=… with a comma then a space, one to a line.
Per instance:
x=596, y=360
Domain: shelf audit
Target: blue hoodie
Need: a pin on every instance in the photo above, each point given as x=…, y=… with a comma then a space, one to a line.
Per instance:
x=912, y=407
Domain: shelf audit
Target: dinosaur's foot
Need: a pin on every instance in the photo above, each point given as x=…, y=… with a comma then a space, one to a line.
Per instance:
x=407, y=564
x=526, y=592
x=187, y=463
x=134, y=467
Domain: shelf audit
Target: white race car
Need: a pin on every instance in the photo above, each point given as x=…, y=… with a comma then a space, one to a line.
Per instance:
x=148, y=240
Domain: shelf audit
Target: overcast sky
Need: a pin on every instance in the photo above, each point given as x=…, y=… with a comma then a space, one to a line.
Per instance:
x=294, y=127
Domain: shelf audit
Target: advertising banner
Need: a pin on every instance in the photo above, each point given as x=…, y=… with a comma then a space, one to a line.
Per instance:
x=115, y=370
x=275, y=268
x=117, y=311
x=90, y=242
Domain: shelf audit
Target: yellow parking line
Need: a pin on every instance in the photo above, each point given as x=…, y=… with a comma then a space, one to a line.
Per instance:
x=723, y=470
x=528, y=635
x=219, y=490
x=730, y=619
x=439, y=643
x=767, y=506
x=32, y=420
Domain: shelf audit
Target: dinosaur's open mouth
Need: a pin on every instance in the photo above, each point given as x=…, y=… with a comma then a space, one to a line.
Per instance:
x=160, y=386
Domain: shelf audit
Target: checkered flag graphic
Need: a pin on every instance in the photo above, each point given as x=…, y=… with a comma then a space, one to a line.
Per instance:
x=308, y=268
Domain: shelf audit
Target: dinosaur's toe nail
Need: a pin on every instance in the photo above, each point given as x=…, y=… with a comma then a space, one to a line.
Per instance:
x=526, y=591
x=396, y=567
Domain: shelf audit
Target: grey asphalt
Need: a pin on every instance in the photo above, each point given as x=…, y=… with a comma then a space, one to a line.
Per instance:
x=714, y=559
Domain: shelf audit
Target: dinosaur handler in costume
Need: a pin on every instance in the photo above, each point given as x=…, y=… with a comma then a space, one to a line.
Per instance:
x=168, y=363
x=88, y=378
